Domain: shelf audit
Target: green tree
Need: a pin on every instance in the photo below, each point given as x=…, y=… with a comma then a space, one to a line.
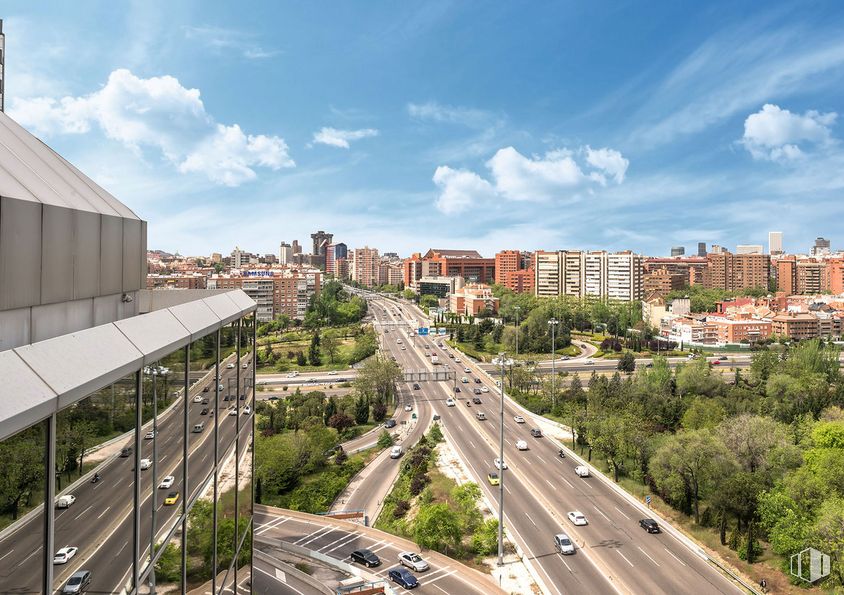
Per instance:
x=627, y=363
x=314, y=351
x=330, y=345
x=437, y=527
x=703, y=413
x=385, y=439
x=361, y=410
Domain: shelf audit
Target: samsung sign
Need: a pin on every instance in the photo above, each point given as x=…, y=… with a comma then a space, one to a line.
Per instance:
x=259, y=273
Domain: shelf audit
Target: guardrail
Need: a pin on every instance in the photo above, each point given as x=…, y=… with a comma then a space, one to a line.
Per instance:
x=292, y=570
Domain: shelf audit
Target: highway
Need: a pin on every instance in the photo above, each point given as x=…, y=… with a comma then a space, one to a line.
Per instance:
x=614, y=554
x=100, y=522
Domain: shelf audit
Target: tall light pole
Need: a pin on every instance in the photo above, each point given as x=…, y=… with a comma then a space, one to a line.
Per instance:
x=517, y=308
x=553, y=324
x=502, y=361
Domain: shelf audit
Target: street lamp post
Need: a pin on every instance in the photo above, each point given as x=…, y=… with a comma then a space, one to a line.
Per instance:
x=502, y=361
x=553, y=323
x=517, y=308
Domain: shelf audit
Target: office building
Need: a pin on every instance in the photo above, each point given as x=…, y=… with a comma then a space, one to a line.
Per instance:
x=320, y=240
x=297, y=248
x=678, y=250
x=701, y=249
x=285, y=253
x=89, y=356
x=821, y=247
x=513, y=270
x=750, y=249
x=774, y=243
x=439, y=286
x=468, y=264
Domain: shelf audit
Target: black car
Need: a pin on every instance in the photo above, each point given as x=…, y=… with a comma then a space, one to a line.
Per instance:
x=477, y=380
x=476, y=400
x=457, y=389
x=402, y=576
x=536, y=432
x=206, y=389
x=204, y=401
x=649, y=525
x=416, y=386
x=242, y=397
x=365, y=557
x=126, y=452
x=390, y=423
x=226, y=398
x=204, y=411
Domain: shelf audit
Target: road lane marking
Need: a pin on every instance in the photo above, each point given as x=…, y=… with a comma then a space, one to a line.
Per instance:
x=271, y=525
x=102, y=514
x=38, y=549
x=551, y=484
x=567, y=564
x=648, y=555
x=621, y=513
x=571, y=485
x=121, y=549
x=350, y=538
x=625, y=558
x=6, y=554
x=673, y=556
x=446, y=575
x=531, y=520
x=301, y=539
x=84, y=511
x=274, y=577
x=598, y=510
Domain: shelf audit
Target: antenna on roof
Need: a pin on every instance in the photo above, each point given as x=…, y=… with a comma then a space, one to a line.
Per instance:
x=2, y=68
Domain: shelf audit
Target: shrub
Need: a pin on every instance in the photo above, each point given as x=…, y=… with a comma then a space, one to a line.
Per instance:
x=401, y=508
x=417, y=484
x=385, y=440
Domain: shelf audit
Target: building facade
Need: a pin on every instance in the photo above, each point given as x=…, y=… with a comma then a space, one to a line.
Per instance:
x=366, y=267
x=589, y=274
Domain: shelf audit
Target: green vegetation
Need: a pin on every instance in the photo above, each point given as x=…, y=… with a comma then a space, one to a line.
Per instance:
x=430, y=508
x=333, y=306
x=756, y=458
x=704, y=300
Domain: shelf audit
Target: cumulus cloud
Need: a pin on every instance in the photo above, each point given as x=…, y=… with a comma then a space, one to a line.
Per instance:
x=555, y=176
x=777, y=134
x=158, y=113
x=341, y=138
x=460, y=189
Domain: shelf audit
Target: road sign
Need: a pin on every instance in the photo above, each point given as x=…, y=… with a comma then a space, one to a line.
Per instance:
x=648, y=501
x=423, y=330
x=413, y=416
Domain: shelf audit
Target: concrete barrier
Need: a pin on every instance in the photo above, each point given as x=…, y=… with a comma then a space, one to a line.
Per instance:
x=293, y=571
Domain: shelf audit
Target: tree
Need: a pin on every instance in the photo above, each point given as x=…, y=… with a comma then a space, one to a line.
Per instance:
x=330, y=345
x=21, y=470
x=385, y=439
x=340, y=422
x=329, y=411
x=361, y=410
x=627, y=363
x=703, y=413
x=300, y=358
x=379, y=412
x=313, y=351
x=751, y=439
x=378, y=377
x=437, y=527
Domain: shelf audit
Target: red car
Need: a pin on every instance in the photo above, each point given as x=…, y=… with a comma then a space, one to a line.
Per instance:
x=716, y=363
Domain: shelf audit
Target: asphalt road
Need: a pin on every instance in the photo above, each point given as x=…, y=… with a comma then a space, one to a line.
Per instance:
x=100, y=522
x=614, y=554
x=270, y=580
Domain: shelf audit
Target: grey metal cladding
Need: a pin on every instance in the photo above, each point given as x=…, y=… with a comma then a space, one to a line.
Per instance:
x=144, y=264
x=77, y=364
x=223, y=307
x=155, y=334
x=131, y=255
x=86, y=254
x=20, y=253
x=25, y=399
x=197, y=317
x=52, y=320
x=56, y=254
x=111, y=255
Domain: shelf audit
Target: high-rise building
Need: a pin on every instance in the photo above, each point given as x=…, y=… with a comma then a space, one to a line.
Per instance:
x=240, y=259
x=660, y=282
x=750, y=249
x=285, y=253
x=821, y=247
x=810, y=276
x=701, y=249
x=581, y=274
x=507, y=261
x=320, y=240
x=297, y=247
x=342, y=251
x=365, y=267
x=787, y=275
x=678, y=250
x=774, y=242
x=728, y=271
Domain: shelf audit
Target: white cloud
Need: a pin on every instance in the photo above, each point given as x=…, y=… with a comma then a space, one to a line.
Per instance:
x=461, y=189
x=776, y=134
x=341, y=138
x=220, y=39
x=534, y=178
x=608, y=160
x=158, y=112
x=438, y=112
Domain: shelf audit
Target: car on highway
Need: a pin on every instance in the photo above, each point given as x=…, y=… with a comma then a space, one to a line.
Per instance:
x=408, y=407
x=365, y=557
x=125, y=452
x=64, y=554
x=197, y=399
x=146, y=464
x=484, y=389
x=497, y=383
x=467, y=370
x=416, y=386
x=149, y=435
x=577, y=518
x=456, y=360
x=390, y=423
x=399, y=341
x=78, y=582
x=715, y=363
x=536, y=432
x=403, y=577
x=589, y=362
x=230, y=366
x=247, y=410
x=464, y=380
x=481, y=416
x=492, y=478
x=233, y=411
x=449, y=402
x=582, y=471
x=499, y=464
x=563, y=544
x=246, y=365
x=649, y=525
x=206, y=389
x=723, y=358
x=167, y=482
x=521, y=444
x=204, y=411
x=476, y=400
x=451, y=355
x=457, y=389
x=518, y=419
x=396, y=452
x=477, y=391
x=292, y=374
x=403, y=348
x=413, y=561
x=65, y=501
x=171, y=499
x=205, y=401
x=477, y=380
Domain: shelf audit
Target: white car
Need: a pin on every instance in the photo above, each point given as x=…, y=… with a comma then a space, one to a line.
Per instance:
x=233, y=411
x=333, y=373
x=563, y=544
x=484, y=389
x=499, y=464
x=467, y=370
x=292, y=374
x=245, y=365
x=589, y=362
x=64, y=554
x=449, y=402
x=396, y=452
x=577, y=518
x=166, y=483
x=230, y=366
x=456, y=360
x=521, y=444
x=65, y=501
x=413, y=561
x=497, y=383
x=582, y=470
x=197, y=399
x=403, y=348
x=398, y=341
x=247, y=410
x=408, y=407
x=149, y=435
x=146, y=464
x=518, y=419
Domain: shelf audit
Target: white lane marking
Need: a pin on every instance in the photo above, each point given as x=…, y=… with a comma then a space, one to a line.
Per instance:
x=472, y=444
x=625, y=558
x=271, y=525
x=84, y=511
x=351, y=537
x=121, y=549
x=274, y=577
x=589, y=483
x=102, y=514
x=531, y=520
x=508, y=442
x=315, y=537
x=673, y=556
x=320, y=530
x=508, y=490
x=568, y=482
x=161, y=460
x=429, y=581
x=621, y=513
x=567, y=564
x=648, y=555
x=527, y=460
x=378, y=549
x=29, y=556
x=598, y=510
x=441, y=589
x=6, y=554
x=551, y=484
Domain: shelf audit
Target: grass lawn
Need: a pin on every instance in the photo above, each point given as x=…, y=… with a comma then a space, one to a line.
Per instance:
x=288, y=364
x=491, y=352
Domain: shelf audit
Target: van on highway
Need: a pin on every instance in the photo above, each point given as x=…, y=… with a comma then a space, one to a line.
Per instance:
x=65, y=501
x=197, y=428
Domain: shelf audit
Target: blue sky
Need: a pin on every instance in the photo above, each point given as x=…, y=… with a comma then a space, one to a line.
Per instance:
x=531, y=125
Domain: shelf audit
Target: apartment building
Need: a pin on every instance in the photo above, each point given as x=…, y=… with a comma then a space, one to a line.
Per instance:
x=581, y=274
x=472, y=299
x=811, y=276
x=796, y=325
x=728, y=271
x=742, y=330
x=276, y=292
x=661, y=282
x=436, y=262
x=176, y=282
x=690, y=268
x=366, y=266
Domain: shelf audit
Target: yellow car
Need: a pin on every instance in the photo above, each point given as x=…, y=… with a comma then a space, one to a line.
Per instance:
x=171, y=498
x=492, y=478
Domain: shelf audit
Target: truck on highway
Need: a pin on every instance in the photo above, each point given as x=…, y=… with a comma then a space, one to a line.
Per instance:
x=435, y=360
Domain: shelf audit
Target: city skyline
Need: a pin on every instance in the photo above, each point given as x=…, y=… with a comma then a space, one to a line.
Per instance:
x=378, y=139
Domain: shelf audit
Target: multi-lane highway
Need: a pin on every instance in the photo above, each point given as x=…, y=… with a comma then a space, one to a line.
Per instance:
x=100, y=521
x=614, y=554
